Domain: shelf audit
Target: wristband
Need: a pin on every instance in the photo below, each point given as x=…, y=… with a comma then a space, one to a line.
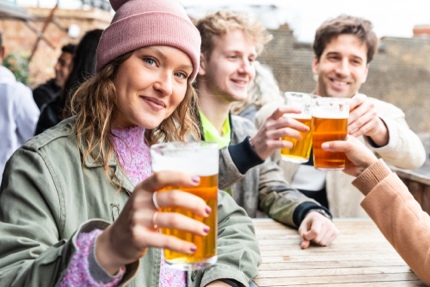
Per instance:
x=320, y=211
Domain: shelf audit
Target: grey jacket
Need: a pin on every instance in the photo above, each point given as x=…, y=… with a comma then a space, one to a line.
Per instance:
x=259, y=187
x=47, y=197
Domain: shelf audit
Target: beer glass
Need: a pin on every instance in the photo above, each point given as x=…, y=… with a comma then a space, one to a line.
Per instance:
x=329, y=123
x=196, y=158
x=301, y=149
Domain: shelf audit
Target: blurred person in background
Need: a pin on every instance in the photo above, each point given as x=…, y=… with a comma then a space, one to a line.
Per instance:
x=18, y=112
x=48, y=91
x=84, y=66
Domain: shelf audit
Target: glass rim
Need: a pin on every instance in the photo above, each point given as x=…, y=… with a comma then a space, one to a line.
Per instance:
x=183, y=145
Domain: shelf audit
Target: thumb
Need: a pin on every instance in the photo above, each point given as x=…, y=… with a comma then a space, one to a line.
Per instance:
x=305, y=243
x=306, y=237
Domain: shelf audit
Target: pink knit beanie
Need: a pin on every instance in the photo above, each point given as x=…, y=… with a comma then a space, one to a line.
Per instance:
x=141, y=23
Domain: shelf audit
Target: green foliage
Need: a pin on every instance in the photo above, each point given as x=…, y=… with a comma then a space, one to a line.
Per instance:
x=18, y=64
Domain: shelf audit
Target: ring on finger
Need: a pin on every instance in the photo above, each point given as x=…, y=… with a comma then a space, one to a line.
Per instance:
x=154, y=220
x=154, y=200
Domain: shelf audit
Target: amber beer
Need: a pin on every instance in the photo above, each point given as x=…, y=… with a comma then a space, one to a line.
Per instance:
x=329, y=123
x=206, y=245
x=301, y=149
x=197, y=158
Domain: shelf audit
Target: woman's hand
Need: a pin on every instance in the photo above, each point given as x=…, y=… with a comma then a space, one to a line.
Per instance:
x=130, y=236
x=360, y=157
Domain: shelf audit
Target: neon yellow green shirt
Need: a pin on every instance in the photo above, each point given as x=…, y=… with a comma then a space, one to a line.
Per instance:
x=211, y=134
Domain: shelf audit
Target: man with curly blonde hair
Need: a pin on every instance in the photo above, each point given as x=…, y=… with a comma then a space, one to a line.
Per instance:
x=231, y=43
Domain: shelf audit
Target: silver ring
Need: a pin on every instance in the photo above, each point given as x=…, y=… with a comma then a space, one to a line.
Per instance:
x=154, y=218
x=154, y=200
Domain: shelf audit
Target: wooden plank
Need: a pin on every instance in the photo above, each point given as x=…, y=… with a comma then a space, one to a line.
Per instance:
x=322, y=259
x=334, y=271
x=416, y=283
x=335, y=247
x=340, y=279
x=331, y=264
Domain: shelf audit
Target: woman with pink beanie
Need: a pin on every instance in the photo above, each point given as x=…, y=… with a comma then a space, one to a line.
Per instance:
x=76, y=202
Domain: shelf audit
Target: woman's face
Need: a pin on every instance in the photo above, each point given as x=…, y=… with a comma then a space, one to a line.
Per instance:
x=150, y=84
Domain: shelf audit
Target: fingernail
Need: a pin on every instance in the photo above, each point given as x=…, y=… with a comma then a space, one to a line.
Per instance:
x=195, y=178
x=193, y=248
x=208, y=210
x=325, y=146
x=206, y=229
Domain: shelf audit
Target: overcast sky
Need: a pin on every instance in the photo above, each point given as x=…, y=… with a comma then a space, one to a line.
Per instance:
x=389, y=17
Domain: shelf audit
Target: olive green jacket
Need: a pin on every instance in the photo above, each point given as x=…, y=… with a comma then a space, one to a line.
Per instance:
x=48, y=196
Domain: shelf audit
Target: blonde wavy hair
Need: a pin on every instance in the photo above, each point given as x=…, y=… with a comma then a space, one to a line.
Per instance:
x=94, y=104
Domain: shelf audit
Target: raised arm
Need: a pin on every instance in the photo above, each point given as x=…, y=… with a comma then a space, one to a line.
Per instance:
x=390, y=205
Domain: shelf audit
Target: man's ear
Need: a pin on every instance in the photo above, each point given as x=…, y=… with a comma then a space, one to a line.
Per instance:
x=363, y=80
x=202, y=69
x=315, y=64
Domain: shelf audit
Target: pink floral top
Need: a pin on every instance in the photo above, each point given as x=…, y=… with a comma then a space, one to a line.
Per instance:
x=133, y=155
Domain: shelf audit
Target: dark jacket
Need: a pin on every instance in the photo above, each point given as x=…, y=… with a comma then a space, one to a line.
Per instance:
x=49, y=116
x=45, y=93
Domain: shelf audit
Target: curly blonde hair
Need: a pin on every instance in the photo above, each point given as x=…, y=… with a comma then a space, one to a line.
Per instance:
x=222, y=22
x=94, y=104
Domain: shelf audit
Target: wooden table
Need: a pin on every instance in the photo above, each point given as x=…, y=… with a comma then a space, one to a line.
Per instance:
x=360, y=256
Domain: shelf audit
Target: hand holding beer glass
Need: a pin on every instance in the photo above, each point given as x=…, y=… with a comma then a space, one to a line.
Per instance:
x=329, y=123
x=300, y=151
x=201, y=159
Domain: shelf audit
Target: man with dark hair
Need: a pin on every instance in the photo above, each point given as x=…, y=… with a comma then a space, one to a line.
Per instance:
x=48, y=91
x=343, y=48
x=18, y=112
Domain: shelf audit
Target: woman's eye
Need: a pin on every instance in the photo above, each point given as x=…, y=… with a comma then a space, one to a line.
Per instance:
x=149, y=61
x=181, y=75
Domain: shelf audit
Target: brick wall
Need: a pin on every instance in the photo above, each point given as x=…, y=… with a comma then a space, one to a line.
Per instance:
x=19, y=38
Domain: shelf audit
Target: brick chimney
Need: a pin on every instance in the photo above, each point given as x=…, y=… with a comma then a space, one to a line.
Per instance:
x=422, y=31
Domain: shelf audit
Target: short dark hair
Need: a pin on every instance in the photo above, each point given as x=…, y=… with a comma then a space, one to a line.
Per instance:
x=69, y=48
x=345, y=24
x=1, y=40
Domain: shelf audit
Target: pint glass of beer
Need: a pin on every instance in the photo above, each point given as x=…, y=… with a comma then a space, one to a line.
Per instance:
x=300, y=151
x=329, y=123
x=196, y=158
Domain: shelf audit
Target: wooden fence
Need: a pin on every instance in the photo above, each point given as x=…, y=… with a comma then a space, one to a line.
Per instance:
x=419, y=185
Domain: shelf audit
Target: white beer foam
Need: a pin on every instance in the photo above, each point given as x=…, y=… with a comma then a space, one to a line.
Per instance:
x=327, y=114
x=298, y=116
x=192, y=159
